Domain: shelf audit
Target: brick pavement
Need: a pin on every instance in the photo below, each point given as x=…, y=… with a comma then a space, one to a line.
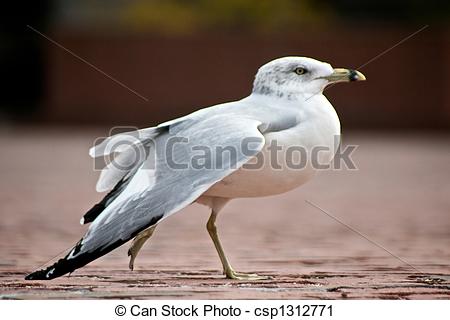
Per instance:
x=399, y=197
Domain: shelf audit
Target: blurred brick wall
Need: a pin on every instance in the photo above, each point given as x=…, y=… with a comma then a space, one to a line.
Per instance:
x=406, y=88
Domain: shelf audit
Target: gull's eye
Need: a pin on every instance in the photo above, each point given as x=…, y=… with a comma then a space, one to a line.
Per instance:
x=300, y=70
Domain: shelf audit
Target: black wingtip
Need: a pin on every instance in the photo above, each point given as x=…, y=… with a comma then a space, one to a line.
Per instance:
x=29, y=276
x=77, y=259
x=58, y=269
x=38, y=275
x=74, y=260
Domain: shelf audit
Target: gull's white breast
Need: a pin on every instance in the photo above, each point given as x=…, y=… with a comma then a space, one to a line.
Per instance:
x=318, y=128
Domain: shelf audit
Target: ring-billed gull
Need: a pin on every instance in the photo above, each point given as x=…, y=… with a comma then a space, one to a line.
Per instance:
x=286, y=106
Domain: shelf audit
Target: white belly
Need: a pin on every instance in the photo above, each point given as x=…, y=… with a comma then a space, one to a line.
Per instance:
x=287, y=168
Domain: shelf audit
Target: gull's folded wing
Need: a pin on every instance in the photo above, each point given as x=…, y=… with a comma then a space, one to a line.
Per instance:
x=187, y=160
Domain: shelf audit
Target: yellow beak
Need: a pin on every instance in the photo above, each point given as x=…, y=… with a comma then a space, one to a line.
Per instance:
x=340, y=74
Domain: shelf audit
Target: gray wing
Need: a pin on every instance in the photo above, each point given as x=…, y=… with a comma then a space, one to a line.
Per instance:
x=166, y=180
x=178, y=181
x=125, y=146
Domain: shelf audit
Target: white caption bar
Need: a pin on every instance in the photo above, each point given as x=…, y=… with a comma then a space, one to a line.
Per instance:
x=223, y=309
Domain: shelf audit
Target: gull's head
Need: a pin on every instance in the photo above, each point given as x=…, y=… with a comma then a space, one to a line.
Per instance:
x=291, y=77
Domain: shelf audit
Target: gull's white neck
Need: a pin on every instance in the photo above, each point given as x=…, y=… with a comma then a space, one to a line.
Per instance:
x=283, y=93
x=312, y=109
x=298, y=100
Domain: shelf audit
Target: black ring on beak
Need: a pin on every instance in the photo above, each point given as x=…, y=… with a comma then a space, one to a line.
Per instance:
x=353, y=76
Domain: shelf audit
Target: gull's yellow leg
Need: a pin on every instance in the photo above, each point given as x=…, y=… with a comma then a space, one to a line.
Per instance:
x=227, y=268
x=137, y=244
